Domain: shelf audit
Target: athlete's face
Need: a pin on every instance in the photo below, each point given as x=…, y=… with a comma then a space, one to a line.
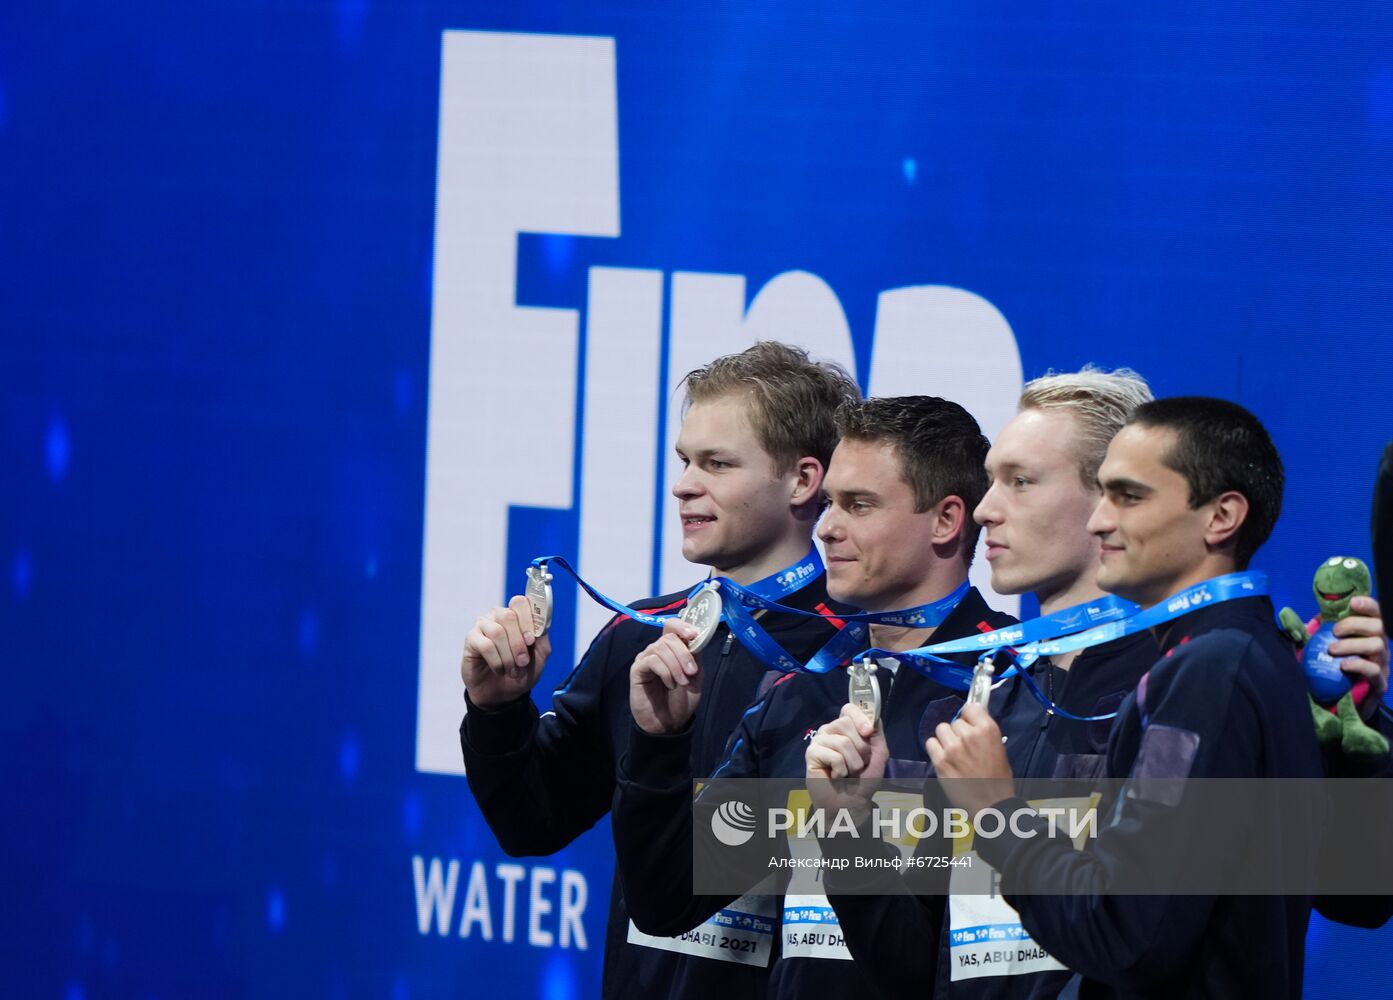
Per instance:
x=1036, y=510
x=1152, y=541
x=733, y=503
x=879, y=550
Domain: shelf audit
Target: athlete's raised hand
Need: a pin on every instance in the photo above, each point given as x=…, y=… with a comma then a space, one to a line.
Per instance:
x=665, y=681
x=503, y=658
x=846, y=763
x=970, y=761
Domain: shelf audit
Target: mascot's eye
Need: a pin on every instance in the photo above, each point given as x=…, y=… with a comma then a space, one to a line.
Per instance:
x=1334, y=561
x=1349, y=564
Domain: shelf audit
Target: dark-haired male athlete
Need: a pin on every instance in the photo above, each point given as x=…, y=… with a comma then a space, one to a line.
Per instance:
x=899, y=533
x=1191, y=489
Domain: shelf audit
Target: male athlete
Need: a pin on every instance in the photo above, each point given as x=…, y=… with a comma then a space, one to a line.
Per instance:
x=1191, y=489
x=755, y=441
x=898, y=534
x=1043, y=472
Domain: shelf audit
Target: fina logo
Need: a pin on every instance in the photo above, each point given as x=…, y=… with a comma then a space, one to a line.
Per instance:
x=529, y=151
x=733, y=823
x=791, y=577
x=1004, y=637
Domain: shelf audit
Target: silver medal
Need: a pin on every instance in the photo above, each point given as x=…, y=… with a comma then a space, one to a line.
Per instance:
x=703, y=610
x=979, y=692
x=863, y=689
x=538, y=594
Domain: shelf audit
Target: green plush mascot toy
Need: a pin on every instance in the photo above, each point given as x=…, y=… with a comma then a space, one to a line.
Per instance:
x=1334, y=700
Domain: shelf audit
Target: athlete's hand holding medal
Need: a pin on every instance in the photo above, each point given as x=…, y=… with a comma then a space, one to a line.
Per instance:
x=506, y=650
x=970, y=760
x=846, y=762
x=665, y=680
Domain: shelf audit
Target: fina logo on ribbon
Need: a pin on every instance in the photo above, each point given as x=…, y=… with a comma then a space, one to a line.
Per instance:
x=529, y=144
x=1096, y=614
x=794, y=575
x=1003, y=638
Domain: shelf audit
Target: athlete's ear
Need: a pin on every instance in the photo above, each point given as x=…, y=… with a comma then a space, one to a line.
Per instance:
x=806, y=481
x=950, y=517
x=1228, y=511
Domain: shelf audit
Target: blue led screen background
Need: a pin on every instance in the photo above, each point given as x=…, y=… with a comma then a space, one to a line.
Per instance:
x=222, y=283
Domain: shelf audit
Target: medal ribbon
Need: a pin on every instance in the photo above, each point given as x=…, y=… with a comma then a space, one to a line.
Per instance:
x=849, y=639
x=1229, y=587
x=746, y=630
x=622, y=609
x=928, y=660
x=755, y=598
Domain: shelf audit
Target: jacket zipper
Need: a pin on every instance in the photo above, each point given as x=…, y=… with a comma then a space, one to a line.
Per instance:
x=711, y=711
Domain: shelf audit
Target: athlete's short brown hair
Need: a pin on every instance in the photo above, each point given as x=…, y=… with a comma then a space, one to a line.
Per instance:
x=792, y=399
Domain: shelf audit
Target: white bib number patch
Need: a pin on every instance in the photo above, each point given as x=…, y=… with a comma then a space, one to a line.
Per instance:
x=985, y=935
x=743, y=933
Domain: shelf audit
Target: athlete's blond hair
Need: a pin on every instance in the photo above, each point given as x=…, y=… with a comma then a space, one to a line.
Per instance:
x=1100, y=401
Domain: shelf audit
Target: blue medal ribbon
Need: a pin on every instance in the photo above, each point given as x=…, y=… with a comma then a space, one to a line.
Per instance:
x=761, y=644
x=786, y=581
x=844, y=644
x=622, y=609
x=928, y=660
x=1229, y=587
x=920, y=616
x=1089, y=614
x=765, y=593
x=760, y=594
x=741, y=601
x=1065, y=631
